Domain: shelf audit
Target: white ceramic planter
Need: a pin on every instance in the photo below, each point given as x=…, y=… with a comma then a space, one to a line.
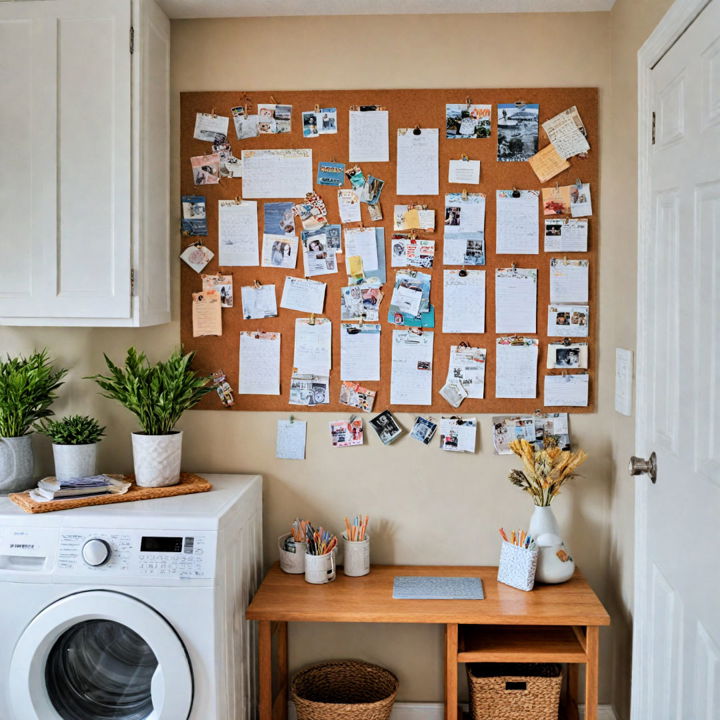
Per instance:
x=157, y=459
x=544, y=528
x=74, y=461
x=554, y=563
x=16, y=464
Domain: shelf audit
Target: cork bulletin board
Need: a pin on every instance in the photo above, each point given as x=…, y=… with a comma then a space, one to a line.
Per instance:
x=407, y=108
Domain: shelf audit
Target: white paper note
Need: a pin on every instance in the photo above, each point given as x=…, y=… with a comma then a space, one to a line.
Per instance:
x=360, y=352
x=580, y=200
x=467, y=368
x=238, y=233
x=458, y=434
x=516, y=364
x=277, y=173
x=417, y=161
x=515, y=300
x=463, y=301
x=569, y=280
x=258, y=302
x=361, y=242
x=568, y=320
x=369, y=138
x=279, y=251
x=466, y=172
x=566, y=235
x=516, y=227
x=411, y=378
x=259, y=363
x=564, y=133
x=303, y=295
x=290, y=442
x=211, y=128
x=313, y=346
x=348, y=206
x=570, y=390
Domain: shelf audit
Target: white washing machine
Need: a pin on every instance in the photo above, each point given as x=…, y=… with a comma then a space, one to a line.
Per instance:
x=133, y=611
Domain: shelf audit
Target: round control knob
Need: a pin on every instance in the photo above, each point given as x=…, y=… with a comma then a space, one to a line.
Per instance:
x=96, y=552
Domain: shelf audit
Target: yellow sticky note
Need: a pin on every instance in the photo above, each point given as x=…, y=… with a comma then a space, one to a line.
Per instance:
x=355, y=266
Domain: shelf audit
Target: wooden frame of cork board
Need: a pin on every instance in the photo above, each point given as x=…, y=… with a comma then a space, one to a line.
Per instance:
x=407, y=108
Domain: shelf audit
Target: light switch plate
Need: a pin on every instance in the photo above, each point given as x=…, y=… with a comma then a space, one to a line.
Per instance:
x=623, y=381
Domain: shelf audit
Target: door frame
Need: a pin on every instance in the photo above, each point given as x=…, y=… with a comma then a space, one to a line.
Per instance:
x=674, y=23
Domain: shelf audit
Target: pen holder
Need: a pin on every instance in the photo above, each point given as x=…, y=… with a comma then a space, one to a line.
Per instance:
x=517, y=566
x=320, y=569
x=292, y=562
x=356, y=561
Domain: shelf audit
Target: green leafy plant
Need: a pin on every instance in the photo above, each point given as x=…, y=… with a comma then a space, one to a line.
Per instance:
x=157, y=394
x=72, y=430
x=27, y=390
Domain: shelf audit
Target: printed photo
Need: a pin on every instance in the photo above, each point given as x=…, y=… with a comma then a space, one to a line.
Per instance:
x=567, y=355
x=360, y=301
x=452, y=216
x=556, y=201
x=375, y=212
x=463, y=120
x=370, y=191
x=330, y=236
x=310, y=125
x=567, y=358
x=347, y=433
x=457, y=434
x=206, y=169
x=194, y=218
x=517, y=132
x=357, y=396
x=327, y=121
x=331, y=173
x=197, y=256
x=222, y=284
x=312, y=212
x=279, y=218
x=423, y=430
x=279, y=251
x=246, y=126
x=387, y=427
x=355, y=176
x=274, y=118
x=568, y=320
x=309, y=390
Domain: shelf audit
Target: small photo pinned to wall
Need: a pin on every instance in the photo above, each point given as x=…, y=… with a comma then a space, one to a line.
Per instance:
x=197, y=256
x=387, y=427
x=206, y=169
x=222, y=284
x=517, y=131
x=327, y=121
x=567, y=356
x=274, y=118
x=568, y=320
x=357, y=396
x=310, y=126
x=347, y=433
x=458, y=434
x=466, y=120
x=279, y=218
x=194, y=216
x=423, y=430
x=279, y=251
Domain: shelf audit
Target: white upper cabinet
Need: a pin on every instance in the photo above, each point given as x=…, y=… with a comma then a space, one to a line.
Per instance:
x=84, y=152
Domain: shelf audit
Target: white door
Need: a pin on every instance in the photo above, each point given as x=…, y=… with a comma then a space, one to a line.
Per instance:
x=97, y=655
x=676, y=664
x=65, y=124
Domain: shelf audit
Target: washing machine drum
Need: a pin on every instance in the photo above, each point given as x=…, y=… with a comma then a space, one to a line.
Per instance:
x=100, y=656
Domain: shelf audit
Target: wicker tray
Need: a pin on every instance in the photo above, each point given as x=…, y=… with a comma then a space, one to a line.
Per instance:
x=188, y=484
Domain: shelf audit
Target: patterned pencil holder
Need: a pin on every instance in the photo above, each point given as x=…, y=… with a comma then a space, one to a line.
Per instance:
x=292, y=562
x=517, y=566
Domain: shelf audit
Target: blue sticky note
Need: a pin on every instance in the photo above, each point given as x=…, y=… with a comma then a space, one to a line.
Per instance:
x=331, y=173
x=413, y=587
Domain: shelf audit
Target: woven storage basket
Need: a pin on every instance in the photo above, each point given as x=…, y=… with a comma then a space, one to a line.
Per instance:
x=514, y=691
x=344, y=690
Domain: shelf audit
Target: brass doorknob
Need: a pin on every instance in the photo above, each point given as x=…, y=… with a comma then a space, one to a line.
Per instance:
x=640, y=466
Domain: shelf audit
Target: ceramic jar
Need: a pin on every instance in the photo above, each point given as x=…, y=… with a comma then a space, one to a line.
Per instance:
x=157, y=459
x=16, y=464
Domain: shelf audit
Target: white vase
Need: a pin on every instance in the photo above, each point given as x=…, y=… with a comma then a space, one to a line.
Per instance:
x=157, y=459
x=74, y=461
x=555, y=564
x=16, y=464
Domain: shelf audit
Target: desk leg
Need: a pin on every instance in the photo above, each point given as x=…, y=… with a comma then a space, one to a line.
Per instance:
x=451, y=671
x=591, y=673
x=573, y=678
x=265, y=669
x=280, y=702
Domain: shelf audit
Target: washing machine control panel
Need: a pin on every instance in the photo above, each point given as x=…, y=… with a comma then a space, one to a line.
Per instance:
x=136, y=553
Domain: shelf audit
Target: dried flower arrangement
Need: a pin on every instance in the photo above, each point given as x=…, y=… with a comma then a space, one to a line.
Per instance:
x=545, y=471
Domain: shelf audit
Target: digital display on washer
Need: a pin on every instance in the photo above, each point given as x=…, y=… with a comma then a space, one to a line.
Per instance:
x=161, y=544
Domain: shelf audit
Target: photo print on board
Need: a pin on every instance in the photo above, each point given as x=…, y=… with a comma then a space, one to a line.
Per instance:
x=517, y=131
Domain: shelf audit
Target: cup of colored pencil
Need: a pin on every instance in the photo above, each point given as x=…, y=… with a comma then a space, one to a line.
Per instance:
x=292, y=547
x=356, y=546
x=320, y=555
x=518, y=560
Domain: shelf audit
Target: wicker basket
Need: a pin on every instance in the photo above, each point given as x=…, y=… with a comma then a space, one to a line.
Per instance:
x=514, y=691
x=344, y=690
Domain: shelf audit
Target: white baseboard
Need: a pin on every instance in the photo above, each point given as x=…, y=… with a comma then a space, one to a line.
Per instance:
x=436, y=711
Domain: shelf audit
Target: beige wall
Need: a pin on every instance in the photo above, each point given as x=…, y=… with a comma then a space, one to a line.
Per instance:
x=427, y=506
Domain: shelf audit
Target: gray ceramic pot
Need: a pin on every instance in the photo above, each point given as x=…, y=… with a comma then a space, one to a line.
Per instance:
x=74, y=461
x=16, y=464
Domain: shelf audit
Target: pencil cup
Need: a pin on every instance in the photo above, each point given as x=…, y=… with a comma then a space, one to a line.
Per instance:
x=517, y=566
x=357, y=557
x=320, y=569
x=292, y=562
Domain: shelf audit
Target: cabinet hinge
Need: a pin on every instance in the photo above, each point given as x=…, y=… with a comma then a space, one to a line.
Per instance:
x=653, y=128
x=133, y=278
x=132, y=39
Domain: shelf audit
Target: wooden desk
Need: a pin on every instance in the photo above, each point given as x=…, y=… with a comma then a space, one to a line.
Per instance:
x=553, y=623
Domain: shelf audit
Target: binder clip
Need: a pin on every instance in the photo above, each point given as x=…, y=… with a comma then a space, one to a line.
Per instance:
x=417, y=130
x=311, y=321
x=465, y=158
x=567, y=342
x=462, y=272
x=515, y=192
x=464, y=194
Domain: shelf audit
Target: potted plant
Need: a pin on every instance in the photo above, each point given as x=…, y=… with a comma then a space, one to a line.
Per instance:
x=27, y=390
x=157, y=395
x=75, y=439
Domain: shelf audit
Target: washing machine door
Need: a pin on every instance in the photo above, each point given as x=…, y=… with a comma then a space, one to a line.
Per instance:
x=99, y=655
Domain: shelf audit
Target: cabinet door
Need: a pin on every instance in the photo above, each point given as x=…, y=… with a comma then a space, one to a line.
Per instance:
x=65, y=121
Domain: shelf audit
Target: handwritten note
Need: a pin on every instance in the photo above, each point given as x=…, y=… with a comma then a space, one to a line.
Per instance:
x=411, y=374
x=369, y=137
x=547, y=163
x=515, y=300
x=290, y=440
x=259, y=363
x=463, y=301
x=277, y=173
x=417, y=161
x=464, y=171
x=516, y=362
x=516, y=227
x=361, y=242
x=206, y=313
x=238, y=234
x=360, y=352
x=348, y=206
x=313, y=342
x=303, y=295
x=569, y=390
x=569, y=280
x=567, y=133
